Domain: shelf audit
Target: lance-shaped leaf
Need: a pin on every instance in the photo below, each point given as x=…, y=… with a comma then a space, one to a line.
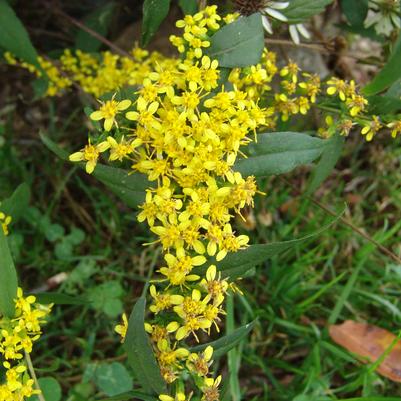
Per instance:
x=99, y=21
x=17, y=203
x=130, y=188
x=154, y=12
x=242, y=261
x=229, y=341
x=331, y=154
x=14, y=37
x=279, y=152
x=8, y=278
x=140, y=352
x=301, y=10
x=238, y=44
x=389, y=74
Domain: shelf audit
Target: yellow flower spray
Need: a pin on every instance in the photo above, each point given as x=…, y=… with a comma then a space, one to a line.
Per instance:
x=17, y=336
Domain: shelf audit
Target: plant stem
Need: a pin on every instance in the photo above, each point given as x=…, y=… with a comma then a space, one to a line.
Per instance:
x=33, y=374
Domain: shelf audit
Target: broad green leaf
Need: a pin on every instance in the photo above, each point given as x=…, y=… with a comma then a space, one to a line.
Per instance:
x=229, y=341
x=131, y=395
x=301, y=10
x=256, y=254
x=113, y=378
x=389, y=74
x=16, y=204
x=331, y=154
x=188, y=7
x=154, y=12
x=130, y=188
x=238, y=44
x=99, y=21
x=8, y=278
x=395, y=89
x=58, y=298
x=355, y=11
x=384, y=104
x=14, y=37
x=51, y=389
x=140, y=352
x=279, y=152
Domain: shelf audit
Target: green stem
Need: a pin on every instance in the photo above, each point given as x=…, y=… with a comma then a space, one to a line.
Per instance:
x=33, y=374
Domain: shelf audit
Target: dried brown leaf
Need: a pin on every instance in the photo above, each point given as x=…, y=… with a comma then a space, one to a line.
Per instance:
x=369, y=342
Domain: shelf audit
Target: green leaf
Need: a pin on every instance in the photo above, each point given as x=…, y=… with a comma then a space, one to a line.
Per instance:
x=395, y=89
x=113, y=378
x=105, y=298
x=331, y=154
x=389, y=74
x=8, y=281
x=154, y=12
x=130, y=188
x=256, y=254
x=384, y=104
x=279, y=152
x=16, y=205
x=301, y=10
x=355, y=11
x=140, y=352
x=229, y=341
x=51, y=389
x=188, y=7
x=131, y=395
x=46, y=298
x=14, y=37
x=99, y=21
x=238, y=44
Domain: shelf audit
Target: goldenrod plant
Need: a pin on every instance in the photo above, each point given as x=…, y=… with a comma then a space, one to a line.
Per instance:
x=184, y=139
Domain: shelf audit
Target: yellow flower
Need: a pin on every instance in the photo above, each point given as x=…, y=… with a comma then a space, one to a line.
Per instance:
x=200, y=363
x=108, y=112
x=5, y=222
x=178, y=397
x=122, y=329
x=371, y=128
x=210, y=389
x=90, y=153
x=121, y=150
x=164, y=300
x=395, y=128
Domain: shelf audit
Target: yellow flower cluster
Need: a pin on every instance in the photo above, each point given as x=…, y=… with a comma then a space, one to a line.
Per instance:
x=299, y=92
x=96, y=75
x=184, y=131
x=5, y=222
x=17, y=336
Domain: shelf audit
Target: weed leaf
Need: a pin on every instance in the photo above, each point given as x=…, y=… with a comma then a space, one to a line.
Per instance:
x=99, y=21
x=389, y=74
x=238, y=44
x=14, y=37
x=301, y=10
x=330, y=155
x=8, y=278
x=17, y=203
x=246, y=259
x=279, y=152
x=140, y=353
x=154, y=12
x=226, y=343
